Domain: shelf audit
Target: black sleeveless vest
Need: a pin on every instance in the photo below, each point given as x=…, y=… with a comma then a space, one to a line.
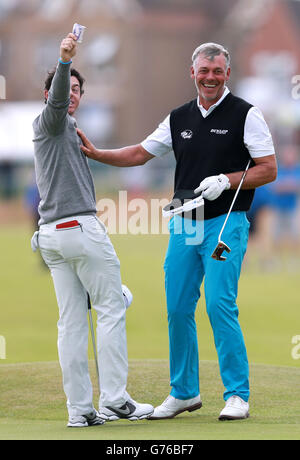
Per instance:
x=210, y=146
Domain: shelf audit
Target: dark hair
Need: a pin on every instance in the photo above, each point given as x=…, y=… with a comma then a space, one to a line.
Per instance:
x=74, y=73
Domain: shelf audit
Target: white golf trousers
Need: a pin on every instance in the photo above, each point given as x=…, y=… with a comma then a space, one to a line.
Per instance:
x=82, y=259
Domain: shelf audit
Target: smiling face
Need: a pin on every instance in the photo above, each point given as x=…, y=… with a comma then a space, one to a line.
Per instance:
x=74, y=95
x=210, y=76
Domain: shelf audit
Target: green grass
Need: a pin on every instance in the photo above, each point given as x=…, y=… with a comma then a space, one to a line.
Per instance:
x=32, y=403
x=268, y=304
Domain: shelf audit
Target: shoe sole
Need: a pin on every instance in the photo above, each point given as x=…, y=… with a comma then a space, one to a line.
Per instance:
x=188, y=409
x=231, y=417
x=133, y=418
x=84, y=425
x=77, y=426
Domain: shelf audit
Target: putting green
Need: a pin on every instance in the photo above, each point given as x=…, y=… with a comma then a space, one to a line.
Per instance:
x=33, y=405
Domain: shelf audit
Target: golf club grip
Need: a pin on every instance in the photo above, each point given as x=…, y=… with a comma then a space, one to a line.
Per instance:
x=240, y=185
x=93, y=339
x=235, y=196
x=89, y=302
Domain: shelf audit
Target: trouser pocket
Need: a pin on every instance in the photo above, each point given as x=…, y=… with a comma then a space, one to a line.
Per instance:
x=69, y=239
x=94, y=230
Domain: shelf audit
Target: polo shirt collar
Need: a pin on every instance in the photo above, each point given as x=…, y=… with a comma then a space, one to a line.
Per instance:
x=205, y=112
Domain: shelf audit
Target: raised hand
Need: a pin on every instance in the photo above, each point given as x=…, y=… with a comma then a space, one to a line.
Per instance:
x=68, y=48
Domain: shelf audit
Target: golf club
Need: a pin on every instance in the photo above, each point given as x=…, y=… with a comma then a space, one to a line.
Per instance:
x=93, y=337
x=221, y=246
x=128, y=296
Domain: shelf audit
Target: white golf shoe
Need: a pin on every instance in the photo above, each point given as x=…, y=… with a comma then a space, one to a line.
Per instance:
x=127, y=296
x=235, y=408
x=172, y=407
x=81, y=421
x=131, y=410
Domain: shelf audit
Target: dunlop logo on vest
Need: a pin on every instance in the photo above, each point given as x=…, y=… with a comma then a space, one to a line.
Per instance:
x=219, y=131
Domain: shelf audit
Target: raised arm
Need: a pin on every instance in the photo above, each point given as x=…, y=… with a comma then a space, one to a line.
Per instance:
x=54, y=115
x=133, y=155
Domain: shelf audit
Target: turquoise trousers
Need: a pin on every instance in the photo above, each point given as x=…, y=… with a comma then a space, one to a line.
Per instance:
x=188, y=263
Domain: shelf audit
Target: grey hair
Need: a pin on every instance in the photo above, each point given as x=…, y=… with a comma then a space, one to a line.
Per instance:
x=210, y=50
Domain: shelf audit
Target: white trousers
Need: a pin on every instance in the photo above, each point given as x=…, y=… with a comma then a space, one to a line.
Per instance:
x=82, y=259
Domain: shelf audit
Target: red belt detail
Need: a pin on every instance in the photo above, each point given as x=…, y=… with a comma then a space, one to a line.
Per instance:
x=70, y=224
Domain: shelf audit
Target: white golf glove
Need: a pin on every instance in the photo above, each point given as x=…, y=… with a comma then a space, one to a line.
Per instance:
x=212, y=186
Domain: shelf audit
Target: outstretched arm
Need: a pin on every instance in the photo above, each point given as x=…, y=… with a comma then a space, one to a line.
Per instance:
x=133, y=155
x=54, y=115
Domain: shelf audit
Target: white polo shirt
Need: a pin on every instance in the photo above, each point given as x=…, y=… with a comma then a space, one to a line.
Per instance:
x=257, y=136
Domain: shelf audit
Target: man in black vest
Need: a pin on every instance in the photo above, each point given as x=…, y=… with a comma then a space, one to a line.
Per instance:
x=213, y=137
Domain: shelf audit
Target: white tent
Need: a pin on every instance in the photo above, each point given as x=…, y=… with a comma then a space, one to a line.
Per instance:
x=16, y=129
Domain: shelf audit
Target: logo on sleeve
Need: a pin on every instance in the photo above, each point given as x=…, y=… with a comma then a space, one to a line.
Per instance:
x=187, y=134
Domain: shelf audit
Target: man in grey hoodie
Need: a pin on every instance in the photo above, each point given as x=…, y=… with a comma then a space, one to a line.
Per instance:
x=75, y=246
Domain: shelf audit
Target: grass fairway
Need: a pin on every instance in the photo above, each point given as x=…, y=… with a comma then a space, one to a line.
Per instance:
x=32, y=403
